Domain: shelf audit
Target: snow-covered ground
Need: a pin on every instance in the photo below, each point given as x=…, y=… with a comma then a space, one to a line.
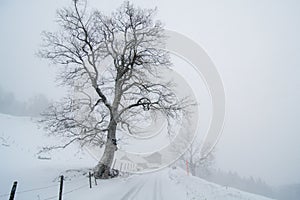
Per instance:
x=38, y=175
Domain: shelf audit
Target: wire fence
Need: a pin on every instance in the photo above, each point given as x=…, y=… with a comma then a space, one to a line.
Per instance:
x=123, y=168
x=68, y=192
x=67, y=184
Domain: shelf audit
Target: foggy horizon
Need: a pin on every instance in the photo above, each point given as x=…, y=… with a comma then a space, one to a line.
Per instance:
x=254, y=45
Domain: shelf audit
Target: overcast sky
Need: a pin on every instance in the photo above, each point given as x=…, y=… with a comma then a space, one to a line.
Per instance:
x=255, y=46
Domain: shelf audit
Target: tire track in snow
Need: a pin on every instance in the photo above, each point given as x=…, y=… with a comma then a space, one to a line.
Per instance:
x=158, y=189
x=160, y=196
x=155, y=188
x=143, y=186
x=134, y=191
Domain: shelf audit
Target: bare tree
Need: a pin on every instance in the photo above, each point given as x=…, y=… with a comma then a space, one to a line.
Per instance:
x=196, y=155
x=111, y=65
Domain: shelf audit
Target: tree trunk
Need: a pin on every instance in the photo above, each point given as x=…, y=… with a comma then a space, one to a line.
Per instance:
x=102, y=169
x=192, y=166
x=192, y=169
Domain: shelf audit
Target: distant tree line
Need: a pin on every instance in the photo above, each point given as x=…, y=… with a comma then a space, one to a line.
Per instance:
x=233, y=179
x=12, y=106
x=249, y=184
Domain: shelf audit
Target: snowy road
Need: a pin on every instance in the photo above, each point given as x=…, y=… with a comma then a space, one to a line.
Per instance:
x=166, y=184
x=155, y=186
x=152, y=186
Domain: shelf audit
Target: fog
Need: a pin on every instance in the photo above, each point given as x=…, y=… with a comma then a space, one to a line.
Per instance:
x=255, y=46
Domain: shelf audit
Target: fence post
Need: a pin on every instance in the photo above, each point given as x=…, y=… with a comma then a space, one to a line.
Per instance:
x=90, y=179
x=121, y=167
x=61, y=187
x=95, y=180
x=13, y=191
x=113, y=166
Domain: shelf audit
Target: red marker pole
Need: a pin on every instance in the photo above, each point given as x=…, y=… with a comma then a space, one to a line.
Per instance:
x=187, y=167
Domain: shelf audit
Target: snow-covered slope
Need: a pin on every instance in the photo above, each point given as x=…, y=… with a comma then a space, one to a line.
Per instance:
x=20, y=140
x=37, y=177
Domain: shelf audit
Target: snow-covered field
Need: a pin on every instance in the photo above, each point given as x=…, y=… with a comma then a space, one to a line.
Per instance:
x=38, y=175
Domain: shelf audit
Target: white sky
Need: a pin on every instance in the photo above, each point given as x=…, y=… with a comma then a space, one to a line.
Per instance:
x=254, y=44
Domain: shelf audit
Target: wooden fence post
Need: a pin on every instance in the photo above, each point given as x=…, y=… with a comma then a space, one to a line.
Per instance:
x=121, y=167
x=13, y=191
x=95, y=180
x=90, y=179
x=61, y=187
x=113, y=166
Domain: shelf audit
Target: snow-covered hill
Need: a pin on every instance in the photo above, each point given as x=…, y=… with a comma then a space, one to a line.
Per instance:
x=37, y=176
